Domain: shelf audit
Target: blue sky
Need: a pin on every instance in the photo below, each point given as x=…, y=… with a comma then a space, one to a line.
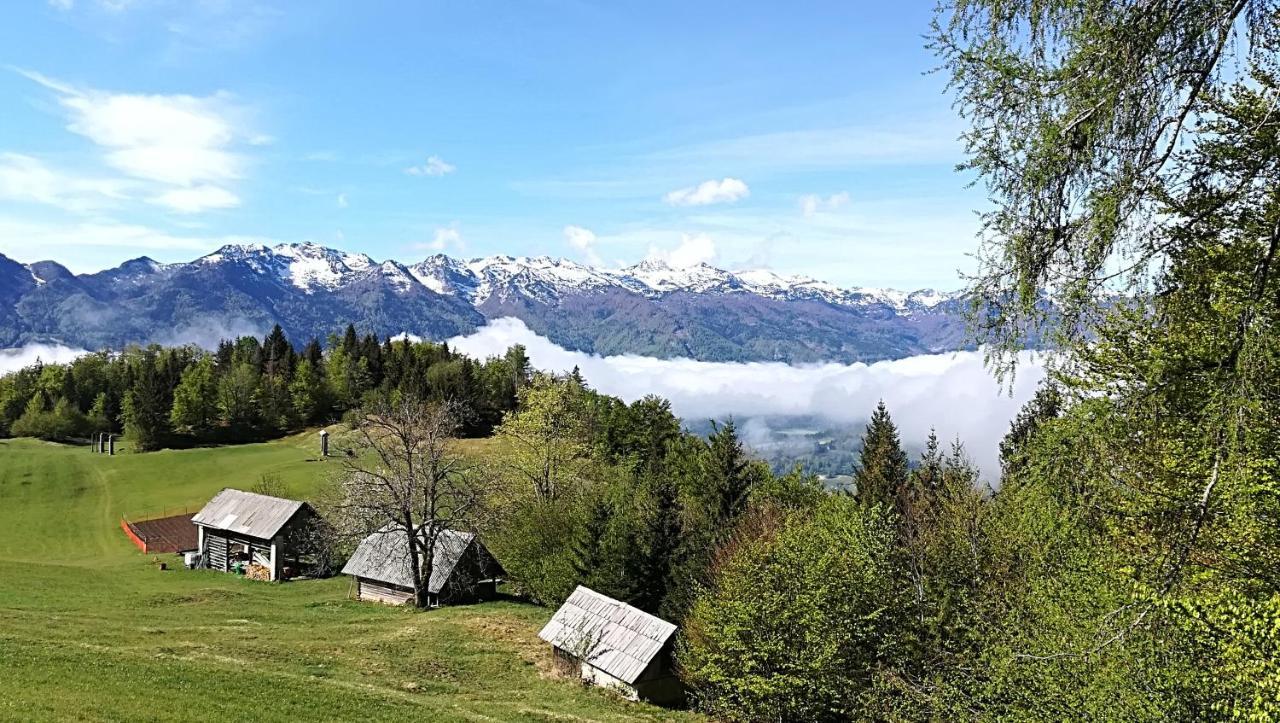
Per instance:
x=804, y=137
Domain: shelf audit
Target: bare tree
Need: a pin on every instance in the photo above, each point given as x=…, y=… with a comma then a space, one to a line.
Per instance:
x=407, y=478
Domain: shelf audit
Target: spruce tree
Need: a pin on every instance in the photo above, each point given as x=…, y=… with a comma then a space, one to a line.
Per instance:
x=882, y=464
x=663, y=533
x=726, y=473
x=146, y=406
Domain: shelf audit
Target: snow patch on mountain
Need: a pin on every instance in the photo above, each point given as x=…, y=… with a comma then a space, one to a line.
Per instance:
x=659, y=277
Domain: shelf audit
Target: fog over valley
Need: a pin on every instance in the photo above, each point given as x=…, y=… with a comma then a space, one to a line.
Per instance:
x=951, y=392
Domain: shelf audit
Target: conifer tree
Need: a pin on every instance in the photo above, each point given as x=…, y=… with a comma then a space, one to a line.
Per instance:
x=663, y=534
x=588, y=555
x=726, y=474
x=277, y=354
x=882, y=464
x=146, y=406
x=313, y=353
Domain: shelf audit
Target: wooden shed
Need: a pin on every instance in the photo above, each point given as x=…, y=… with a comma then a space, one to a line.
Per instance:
x=462, y=569
x=257, y=534
x=616, y=646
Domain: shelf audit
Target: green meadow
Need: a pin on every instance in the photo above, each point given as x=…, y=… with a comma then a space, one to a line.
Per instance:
x=92, y=629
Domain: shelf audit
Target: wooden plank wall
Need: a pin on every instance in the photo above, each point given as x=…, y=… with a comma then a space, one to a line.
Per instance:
x=375, y=592
x=216, y=551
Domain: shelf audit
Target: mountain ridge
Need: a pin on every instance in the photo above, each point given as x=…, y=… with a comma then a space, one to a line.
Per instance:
x=653, y=308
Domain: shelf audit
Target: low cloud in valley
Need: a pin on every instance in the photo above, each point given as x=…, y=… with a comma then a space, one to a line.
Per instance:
x=15, y=359
x=953, y=392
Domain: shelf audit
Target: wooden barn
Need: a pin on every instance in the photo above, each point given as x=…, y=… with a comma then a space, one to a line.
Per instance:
x=462, y=571
x=616, y=646
x=258, y=535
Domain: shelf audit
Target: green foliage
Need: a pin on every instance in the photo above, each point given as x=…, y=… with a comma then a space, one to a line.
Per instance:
x=801, y=614
x=62, y=422
x=1077, y=112
x=1128, y=148
x=194, y=399
x=535, y=541
x=548, y=438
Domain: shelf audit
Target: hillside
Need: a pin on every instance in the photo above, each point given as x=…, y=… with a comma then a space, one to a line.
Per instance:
x=699, y=312
x=90, y=629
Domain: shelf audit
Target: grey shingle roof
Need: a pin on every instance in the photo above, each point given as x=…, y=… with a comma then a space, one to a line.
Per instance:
x=247, y=513
x=608, y=634
x=384, y=556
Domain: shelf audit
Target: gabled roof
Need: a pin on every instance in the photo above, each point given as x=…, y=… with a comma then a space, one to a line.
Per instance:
x=608, y=634
x=384, y=556
x=248, y=513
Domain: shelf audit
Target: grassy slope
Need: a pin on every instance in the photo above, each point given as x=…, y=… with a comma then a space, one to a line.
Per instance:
x=90, y=629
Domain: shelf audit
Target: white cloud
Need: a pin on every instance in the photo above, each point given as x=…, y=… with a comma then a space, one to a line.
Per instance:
x=28, y=179
x=435, y=166
x=952, y=392
x=14, y=359
x=584, y=240
x=811, y=204
x=694, y=249
x=197, y=199
x=176, y=141
x=208, y=330
x=342, y=200
x=445, y=239
x=726, y=190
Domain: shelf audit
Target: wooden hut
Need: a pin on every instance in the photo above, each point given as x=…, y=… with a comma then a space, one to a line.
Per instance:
x=255, y=534
x=462, y=569
x=616, y=646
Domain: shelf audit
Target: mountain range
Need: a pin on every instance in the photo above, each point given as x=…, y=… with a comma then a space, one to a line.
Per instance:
x=651, y=308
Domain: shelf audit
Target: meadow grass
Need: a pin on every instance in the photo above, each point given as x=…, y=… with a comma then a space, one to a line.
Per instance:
x=92, y=629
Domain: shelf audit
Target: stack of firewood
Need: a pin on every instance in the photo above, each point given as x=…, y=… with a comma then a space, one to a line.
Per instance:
x=257, y=572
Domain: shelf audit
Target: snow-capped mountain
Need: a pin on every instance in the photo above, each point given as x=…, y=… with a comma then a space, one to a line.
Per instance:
x=311, y=291
x=307, y=266
x=545, y=278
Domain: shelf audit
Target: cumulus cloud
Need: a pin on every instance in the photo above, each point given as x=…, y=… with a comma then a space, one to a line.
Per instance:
x=584, y=240
x=446, y=239
x=693, y=249
x=435, y=166
x=726, y=190
x=15, y=359
x=952, y=392
x=811, y=204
